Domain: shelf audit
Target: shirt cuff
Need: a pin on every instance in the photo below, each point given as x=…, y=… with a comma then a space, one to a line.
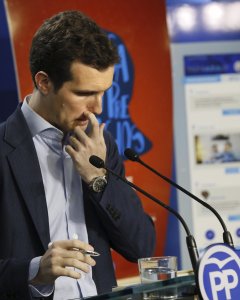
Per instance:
x=38, y=290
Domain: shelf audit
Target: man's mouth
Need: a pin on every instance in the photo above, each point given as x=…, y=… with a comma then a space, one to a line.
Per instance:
x=82, y=121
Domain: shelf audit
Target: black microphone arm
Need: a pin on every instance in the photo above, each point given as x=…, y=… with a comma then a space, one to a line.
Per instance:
x=227, y=238
x=191, y=243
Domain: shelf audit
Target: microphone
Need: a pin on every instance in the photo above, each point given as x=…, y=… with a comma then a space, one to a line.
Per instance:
x=191, y=243
x=132, y=155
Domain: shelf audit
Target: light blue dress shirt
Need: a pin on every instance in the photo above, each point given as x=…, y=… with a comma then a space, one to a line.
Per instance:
x=64, y=196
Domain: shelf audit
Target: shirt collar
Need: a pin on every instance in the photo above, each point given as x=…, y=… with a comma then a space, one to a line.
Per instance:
x=37, y=124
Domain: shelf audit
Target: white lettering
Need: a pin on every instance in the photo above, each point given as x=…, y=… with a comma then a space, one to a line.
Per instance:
x=221, y=281
x=216, y=287
x=230, y=284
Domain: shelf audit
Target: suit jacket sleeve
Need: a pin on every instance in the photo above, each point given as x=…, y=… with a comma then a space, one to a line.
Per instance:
x=129, y=229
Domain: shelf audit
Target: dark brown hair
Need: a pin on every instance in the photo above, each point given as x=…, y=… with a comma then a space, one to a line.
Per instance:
x=67, y=37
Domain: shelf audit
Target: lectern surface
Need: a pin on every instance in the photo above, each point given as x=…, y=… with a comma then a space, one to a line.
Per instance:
x=183, y=288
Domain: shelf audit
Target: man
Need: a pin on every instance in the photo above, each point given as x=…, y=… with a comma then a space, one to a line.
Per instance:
x=228, y=155
x=53, y=203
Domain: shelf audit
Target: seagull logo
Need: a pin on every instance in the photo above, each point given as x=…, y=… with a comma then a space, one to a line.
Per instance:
x=219, y=263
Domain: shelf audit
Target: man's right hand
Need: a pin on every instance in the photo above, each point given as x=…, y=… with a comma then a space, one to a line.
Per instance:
x=61, y=259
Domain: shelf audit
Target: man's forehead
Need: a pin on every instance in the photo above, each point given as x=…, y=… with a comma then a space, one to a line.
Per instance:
x=90, y=78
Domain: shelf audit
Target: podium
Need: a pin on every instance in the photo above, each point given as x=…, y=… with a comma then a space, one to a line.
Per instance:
x=183, y=287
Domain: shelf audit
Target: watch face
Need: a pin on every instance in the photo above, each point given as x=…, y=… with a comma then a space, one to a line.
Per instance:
x=99, y=184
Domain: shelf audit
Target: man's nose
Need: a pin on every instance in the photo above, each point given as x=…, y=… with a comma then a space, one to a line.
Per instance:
x=95, y=105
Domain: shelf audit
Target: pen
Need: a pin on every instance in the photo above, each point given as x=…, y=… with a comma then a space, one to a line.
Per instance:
x=84, y=252
x=89, y=252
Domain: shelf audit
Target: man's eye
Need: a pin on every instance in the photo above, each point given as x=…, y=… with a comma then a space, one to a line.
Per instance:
x=82, y=93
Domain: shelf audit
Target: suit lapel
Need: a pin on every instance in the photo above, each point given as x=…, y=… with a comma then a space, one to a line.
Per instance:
x=26, y=170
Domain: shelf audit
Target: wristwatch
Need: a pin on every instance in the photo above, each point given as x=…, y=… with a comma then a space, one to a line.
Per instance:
x=98, y=184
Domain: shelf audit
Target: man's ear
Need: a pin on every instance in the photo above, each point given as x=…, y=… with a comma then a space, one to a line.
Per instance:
x=43, y=82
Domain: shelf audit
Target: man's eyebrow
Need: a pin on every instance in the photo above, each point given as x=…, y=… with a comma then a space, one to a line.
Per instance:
x=85, y=92
x=89, y=92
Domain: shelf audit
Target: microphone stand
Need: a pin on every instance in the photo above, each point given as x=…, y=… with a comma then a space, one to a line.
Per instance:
x=227, y=238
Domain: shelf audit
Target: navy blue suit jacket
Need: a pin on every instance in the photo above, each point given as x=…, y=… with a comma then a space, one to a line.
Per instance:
x=114, y=219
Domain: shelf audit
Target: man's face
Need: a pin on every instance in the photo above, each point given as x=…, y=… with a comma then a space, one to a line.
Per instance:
x=65, y=108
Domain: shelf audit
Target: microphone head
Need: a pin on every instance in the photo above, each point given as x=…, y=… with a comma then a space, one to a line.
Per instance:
x=131, y=154
x=96, y=161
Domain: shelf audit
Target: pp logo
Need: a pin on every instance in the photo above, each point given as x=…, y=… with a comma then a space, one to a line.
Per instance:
x=219, y=273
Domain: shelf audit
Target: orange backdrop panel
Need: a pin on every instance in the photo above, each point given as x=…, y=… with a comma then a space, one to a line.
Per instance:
x=142, y=27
